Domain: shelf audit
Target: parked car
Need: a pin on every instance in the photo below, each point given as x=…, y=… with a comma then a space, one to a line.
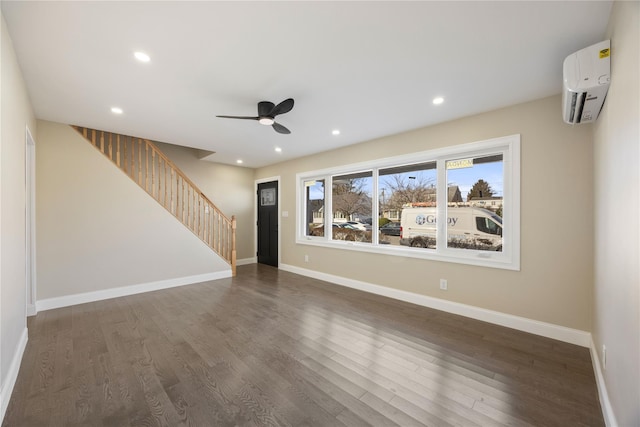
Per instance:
x=360, y=225
x=366, y=220
x=344, y=225
x=391, y=228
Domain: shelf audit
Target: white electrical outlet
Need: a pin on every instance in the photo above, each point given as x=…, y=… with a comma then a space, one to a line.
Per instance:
x=604, y=357
x=443, y=284
x=306, y=258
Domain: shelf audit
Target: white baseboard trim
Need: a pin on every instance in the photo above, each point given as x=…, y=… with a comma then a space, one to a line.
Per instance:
x=549, y=330
x=246, y=261
x=12, y=374
x=605, y=403
x=67, y=300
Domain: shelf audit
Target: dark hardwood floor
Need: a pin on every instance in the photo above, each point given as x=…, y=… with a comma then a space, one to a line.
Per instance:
x=271, y=348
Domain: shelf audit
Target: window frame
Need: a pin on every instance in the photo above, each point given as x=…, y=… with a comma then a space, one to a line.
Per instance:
x=508, y=258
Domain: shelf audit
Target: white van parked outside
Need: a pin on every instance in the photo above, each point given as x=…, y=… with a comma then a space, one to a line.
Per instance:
x=467, y=227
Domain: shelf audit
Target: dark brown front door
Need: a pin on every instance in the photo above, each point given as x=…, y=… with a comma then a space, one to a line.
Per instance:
x=268, y=223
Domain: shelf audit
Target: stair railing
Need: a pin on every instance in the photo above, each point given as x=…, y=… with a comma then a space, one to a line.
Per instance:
x=155, y=173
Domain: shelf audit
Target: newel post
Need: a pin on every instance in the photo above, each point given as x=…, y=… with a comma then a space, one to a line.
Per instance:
x=233, y=245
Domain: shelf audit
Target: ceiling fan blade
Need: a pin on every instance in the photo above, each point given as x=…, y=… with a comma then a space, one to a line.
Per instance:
x=280, y=129
x=284, y=107
x=265, y=107
x=239, y=117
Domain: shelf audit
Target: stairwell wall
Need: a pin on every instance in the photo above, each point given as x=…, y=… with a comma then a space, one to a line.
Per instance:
x=99, y=231
x=230, y=188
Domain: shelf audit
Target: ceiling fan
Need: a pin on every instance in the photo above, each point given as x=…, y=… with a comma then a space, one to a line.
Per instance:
x=267, y=112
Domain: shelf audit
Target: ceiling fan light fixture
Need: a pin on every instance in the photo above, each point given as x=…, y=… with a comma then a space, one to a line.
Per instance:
x=267, y=121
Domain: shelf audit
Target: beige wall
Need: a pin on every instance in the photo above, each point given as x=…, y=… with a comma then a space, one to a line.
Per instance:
x=228, y=187
x=97, y=229
x=554, y=284
x=616, y=313
x=16, y=115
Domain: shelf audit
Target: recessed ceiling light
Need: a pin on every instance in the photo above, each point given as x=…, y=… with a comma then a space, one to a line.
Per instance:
x=438, y=100
x=116, y=110
x=239, y=161
x=335, y=132
x=278, y=150
x=142, y=57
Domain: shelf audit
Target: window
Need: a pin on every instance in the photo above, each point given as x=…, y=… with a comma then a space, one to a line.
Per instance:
x=479, y=181
x=403, y=186
x=351, y=206
x=489, y=226
x=314, y=207
x=268, y=197
x=456, y=204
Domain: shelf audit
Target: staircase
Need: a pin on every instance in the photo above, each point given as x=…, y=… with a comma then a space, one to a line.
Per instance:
x=152, y=170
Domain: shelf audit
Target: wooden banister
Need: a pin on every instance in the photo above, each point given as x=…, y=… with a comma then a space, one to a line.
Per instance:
x=163, y=180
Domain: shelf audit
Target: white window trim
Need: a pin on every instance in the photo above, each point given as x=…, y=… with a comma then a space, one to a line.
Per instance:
x=508, y=259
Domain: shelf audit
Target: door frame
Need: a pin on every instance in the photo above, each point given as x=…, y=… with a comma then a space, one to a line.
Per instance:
x=30, y=223
x=255, y=216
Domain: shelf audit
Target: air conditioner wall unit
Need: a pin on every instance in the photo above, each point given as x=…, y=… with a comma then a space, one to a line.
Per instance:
x=586, y=78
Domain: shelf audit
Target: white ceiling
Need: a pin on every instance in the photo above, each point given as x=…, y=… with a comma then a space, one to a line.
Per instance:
x=369, y=69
